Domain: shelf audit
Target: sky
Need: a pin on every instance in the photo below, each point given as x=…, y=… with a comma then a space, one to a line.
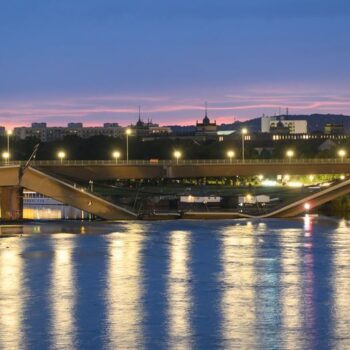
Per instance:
x=96, y=61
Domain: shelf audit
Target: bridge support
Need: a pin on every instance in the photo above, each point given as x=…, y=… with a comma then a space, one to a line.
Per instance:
x=11, y=203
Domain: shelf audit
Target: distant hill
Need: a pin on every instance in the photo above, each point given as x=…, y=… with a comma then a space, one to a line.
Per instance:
x=315, y=122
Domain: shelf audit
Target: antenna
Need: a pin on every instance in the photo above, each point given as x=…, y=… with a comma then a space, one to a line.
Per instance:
x=139, y=113
x=206, y=109
x=32, y=156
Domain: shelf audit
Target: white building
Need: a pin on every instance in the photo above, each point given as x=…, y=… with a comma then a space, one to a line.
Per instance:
x=294, y=126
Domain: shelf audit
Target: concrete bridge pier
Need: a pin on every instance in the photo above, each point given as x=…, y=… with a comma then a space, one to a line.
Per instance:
x=11, y=203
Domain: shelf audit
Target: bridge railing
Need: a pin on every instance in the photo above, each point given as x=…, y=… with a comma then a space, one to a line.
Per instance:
x=153, y=162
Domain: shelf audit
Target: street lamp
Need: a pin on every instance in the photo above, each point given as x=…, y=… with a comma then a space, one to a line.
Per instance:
x=116, y=155
x=244, y=132
x=230, y=154
x=91, y=183
x=61, y=155
x=290, y=154
x=177, y=155
x=6, y=157
x=127, y=133
x=8, y=133
x=342, y=154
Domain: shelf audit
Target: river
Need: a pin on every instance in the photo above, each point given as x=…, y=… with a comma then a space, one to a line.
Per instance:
x=264, y=284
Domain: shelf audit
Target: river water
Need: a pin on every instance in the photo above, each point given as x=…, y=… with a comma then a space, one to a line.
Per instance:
x=268, y=284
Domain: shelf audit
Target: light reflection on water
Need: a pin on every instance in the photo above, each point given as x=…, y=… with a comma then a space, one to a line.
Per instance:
x=291, y=291
x=341, y=270
x=12, y=297
x=179, y=294
x=274, y=284
x=238, y=299
x=124, y=288
x=63, y=293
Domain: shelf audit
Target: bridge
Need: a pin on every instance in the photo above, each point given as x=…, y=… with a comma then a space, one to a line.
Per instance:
x=49, y=179
x=104, y=170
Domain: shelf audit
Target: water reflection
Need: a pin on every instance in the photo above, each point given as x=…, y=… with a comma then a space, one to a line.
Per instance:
x=273, y=284
x=12, y=295
x=179, y=293
x=291, y=289
x=239, y=277
x=63, y=293
x=124, y=288
x=340, y=282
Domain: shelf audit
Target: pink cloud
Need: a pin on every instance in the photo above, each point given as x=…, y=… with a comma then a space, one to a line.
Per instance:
x=94, y=110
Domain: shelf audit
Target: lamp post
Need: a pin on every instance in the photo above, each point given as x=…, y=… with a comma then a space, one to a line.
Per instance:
x=127, y=133
x=290, y=154
x=91, y=183
x=230, y=154
x=6, y=157
x=244, y=132
x=116, y=155
x=8, y=133
x=342, y=154
x=177, y=155
x=61, y=155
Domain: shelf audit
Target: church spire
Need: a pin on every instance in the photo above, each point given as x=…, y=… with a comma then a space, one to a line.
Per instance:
x=206, y=120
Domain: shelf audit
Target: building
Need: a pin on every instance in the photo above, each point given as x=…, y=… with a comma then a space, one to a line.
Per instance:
x=330, y=128
x=145, y=129
x=276, y=125
x=279, y=128
x=206, y=127
x=45, y=134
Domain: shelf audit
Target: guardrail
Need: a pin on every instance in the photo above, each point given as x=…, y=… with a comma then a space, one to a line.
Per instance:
x=153, y=162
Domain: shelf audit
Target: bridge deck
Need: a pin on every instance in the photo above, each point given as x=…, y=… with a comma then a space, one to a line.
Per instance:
x=142, y=169
x=38, y=181
x=35, y=180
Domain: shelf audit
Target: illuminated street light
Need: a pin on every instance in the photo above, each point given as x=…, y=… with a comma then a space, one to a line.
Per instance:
x=61, y=155
x=244, y=132
x=230, y=154
x=8, y=133
x=311, y=177
x=116, y=156
x=127, y=133
x=307, y=206
x=342, y=154
x=261, y=177
x=290, y=154
x=177, y=155
x=6, y=156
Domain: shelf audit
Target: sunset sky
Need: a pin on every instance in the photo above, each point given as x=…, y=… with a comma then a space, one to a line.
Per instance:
x=96, y=61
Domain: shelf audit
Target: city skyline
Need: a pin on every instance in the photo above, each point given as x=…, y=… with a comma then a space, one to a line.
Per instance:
x=97, y=61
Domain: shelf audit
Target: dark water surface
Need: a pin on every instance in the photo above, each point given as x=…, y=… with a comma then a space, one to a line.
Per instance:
x=271, y=284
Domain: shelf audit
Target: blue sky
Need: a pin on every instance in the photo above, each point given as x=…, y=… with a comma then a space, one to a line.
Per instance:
x=97, y=60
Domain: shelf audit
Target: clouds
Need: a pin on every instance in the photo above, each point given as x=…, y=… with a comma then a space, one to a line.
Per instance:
x=203, y=49
x=180, y=109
